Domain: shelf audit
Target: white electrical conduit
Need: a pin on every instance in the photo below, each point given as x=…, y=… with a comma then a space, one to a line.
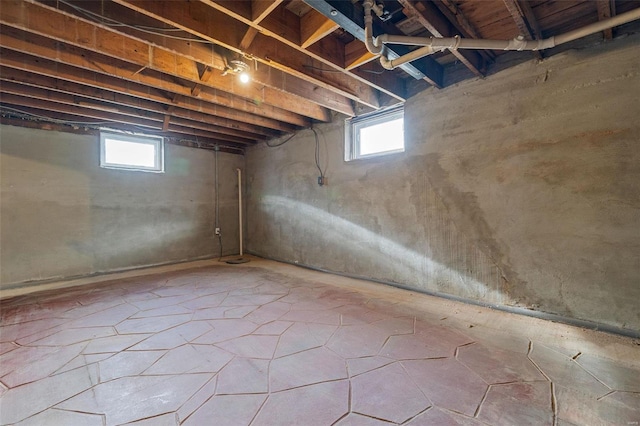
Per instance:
x=434, y=44
x=240, y=208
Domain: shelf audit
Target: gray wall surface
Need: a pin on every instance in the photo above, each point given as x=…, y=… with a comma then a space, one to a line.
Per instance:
x=520, y=189
x=61, y=215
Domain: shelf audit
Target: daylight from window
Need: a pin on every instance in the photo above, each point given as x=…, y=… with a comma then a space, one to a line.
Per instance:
x=383, y=137
x=129, y=153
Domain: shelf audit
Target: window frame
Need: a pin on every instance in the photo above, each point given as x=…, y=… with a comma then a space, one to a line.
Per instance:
x=353, y=126
x=156, y=141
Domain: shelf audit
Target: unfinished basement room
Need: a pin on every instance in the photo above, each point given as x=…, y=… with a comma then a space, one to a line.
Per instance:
x=319, y=212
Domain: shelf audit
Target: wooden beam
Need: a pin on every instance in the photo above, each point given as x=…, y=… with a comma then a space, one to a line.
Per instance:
x=202, y=52
x=261, y=8
x=223, y=125
x=62, y=100
x=195, y=90
x=285, y=28
x=430, y=18
x=343, y=14
x=451, y=11
x=52, y=23
x=356, y=54
x=205, y=75
x=605, y=12
x=214, y=25
x=85, y=114
x=247, y=39
x=169, y=137
x=72, y=64
x=531, y=19
x=526, y=30
x=314, y=26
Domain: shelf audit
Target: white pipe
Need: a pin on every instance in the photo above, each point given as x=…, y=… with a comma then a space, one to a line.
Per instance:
x=605, y=24
x=435, y=44
x=240, y=208
x=371, y=44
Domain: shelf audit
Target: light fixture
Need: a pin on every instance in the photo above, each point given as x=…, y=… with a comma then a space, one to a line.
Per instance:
x=239, y=68
x=244, y=77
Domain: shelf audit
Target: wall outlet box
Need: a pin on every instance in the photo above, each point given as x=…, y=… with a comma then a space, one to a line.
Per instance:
x=217, y=231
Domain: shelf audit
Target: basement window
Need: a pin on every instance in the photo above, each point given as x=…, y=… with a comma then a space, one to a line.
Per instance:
x=375, y=134
x=131, y=152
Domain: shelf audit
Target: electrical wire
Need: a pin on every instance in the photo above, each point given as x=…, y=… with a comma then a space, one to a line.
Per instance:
x=280, y=143
x=114, y=23
x=26, y=114
x=318, y=154
x=317, y=150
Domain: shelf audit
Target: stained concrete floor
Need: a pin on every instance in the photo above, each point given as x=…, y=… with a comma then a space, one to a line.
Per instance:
x=271, y=344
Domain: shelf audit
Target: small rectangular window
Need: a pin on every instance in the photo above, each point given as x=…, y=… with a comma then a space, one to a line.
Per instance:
x=131, y=152
x=375, y=134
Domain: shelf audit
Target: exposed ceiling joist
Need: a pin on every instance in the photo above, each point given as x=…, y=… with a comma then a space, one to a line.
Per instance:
x=605, y=12
x=65, y=78
x=211, y=22
x=429, y=70
x=430, y=18
x=79, y=59
x=76, y=93
x=526, y=28
x=170, y=67
x=57, y=25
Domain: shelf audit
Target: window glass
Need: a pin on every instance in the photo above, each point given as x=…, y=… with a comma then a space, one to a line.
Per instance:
x=131, y=152
x=375, y=134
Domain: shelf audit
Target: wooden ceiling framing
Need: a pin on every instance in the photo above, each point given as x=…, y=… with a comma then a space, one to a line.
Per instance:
x=159, y=66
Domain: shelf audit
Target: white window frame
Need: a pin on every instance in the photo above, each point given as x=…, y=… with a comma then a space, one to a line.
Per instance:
x=156, y=141
x=353, y=126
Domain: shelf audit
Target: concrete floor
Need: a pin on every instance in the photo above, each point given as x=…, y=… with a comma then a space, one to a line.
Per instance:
x=270, y=344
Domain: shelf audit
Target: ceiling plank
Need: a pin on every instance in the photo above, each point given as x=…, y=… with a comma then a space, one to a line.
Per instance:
x=214, y=25
x=430, y=18
x=605, y=12
x=52, y=23
x=314, y=26
x=73, y=64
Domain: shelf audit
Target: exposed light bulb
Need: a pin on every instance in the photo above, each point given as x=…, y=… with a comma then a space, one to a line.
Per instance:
x=244, y=77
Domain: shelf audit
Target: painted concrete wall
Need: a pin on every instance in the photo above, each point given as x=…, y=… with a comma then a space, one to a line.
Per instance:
x=62, y=215
x=521, y=189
